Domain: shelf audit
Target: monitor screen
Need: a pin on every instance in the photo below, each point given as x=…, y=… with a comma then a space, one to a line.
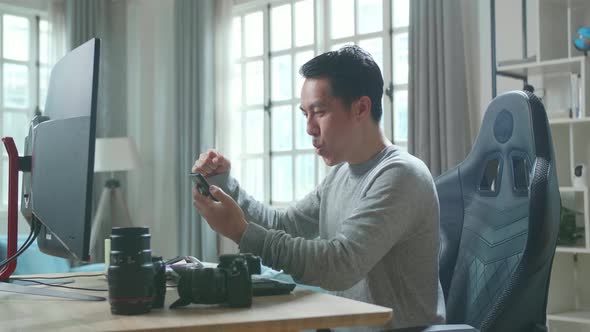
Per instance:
x=62, y=151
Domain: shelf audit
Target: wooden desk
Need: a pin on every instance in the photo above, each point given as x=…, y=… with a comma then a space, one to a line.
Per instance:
x=300, y=310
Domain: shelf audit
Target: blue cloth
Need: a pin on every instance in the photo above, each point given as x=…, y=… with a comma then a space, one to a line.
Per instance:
x=269, y=273
x=33, y=261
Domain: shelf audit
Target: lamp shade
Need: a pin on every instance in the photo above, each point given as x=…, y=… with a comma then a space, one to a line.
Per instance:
x=115, y=154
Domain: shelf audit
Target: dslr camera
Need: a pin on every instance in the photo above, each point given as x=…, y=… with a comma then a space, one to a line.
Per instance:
x=230, y=282
x=137, y=281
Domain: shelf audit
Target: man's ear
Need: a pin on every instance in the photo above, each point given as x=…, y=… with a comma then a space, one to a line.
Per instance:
x=363, y=108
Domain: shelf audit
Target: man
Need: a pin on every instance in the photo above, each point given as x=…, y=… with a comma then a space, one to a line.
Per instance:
x=369, y=231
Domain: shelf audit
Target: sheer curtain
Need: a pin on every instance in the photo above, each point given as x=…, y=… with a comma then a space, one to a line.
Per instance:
x=152, y=121
x=195, y=79
x=224, y=101
x=57, y=31
x=438, y=105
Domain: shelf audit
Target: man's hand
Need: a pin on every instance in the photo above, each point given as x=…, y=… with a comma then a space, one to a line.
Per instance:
x=211, y=163
x=225, y=216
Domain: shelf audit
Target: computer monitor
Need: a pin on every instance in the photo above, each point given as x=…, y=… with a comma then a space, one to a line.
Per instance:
x=58, y=190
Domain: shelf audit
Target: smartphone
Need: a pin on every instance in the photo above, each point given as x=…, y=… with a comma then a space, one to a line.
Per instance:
x=202, y=185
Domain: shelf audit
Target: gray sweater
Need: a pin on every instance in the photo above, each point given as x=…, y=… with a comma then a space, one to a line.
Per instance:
x=368, y=232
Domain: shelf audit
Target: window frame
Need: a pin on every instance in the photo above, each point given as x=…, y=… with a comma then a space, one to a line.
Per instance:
x=34, y=16
x=395, y=87
x=322, y=43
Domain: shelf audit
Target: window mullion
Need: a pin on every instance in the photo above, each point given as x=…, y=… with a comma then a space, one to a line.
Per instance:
x=1, y=87
x=323, y=33
x=36, y=91
x=3, y=182
x=242, y=65
x=267, y=161
x=356, y=19
x=293, y=97
x=323, y=26
x=388, y=117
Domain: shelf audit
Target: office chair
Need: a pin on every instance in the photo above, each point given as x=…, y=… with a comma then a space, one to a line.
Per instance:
x=499, y=219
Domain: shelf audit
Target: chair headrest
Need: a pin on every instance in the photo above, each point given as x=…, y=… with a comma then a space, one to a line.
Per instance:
x=504, y=153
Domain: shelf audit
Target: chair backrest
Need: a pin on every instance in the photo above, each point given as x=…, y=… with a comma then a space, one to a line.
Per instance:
x=499, y=213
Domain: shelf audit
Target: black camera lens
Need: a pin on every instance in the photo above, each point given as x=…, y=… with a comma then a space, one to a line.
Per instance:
x=131, y=272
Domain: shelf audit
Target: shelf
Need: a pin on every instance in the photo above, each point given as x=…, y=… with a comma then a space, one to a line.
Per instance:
x=569, y=3
x=558, y=121
x=567, y=65
x=572, y=189
x=572, y=250
x=578, y=316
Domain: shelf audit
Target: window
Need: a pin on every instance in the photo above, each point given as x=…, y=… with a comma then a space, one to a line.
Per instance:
x=275, y=160
x=23, y=87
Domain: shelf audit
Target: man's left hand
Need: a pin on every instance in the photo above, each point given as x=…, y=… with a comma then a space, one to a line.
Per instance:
x=225, y=216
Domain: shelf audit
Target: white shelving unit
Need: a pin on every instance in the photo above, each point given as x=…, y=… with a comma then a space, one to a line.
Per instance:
x=577, y=199
x=561, y=77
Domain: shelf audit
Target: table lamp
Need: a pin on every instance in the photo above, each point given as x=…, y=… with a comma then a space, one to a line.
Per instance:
x=111, y=155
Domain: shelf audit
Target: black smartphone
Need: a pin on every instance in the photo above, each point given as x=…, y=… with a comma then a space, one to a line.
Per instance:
x=202, y=185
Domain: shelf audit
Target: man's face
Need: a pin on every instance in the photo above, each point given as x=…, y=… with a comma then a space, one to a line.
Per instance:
x=329, y=121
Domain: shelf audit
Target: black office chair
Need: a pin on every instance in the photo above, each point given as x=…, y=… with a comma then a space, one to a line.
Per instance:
x=499, y=219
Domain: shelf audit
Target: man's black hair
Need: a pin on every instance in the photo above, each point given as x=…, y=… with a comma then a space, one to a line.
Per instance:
x=352, y=73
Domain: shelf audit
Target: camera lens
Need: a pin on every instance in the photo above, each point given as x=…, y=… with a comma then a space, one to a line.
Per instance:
x=131, y=272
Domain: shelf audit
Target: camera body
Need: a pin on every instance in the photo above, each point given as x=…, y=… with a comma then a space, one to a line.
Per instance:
x=230, y=282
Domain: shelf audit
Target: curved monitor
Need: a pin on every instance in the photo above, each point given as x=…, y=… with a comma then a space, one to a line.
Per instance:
x=62, y=150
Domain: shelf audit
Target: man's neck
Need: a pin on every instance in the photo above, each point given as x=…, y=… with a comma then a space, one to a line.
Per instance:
x=369, y=146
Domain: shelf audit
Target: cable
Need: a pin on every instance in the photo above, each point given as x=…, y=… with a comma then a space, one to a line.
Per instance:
x=35, y=228
x=62, y=286
x=32, y=279
x=32, y=236
x=63, y=277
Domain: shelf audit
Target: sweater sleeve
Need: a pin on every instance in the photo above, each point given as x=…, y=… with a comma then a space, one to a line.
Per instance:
x=299, y=220
x=385, y=215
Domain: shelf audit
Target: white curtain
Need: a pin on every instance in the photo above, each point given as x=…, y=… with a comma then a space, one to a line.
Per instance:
x=438, y=105
x=475, y=69
x=225, y=103
x=195, y=77
x=57, y=31
x=152, y=121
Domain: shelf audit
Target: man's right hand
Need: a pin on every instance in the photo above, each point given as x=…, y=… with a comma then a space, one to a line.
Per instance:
x=211, y=163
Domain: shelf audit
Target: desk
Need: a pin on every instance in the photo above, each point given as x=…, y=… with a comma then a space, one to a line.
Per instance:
x=299, y=310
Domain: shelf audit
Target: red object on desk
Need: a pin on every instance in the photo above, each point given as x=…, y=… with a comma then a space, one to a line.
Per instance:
x=7, y=271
